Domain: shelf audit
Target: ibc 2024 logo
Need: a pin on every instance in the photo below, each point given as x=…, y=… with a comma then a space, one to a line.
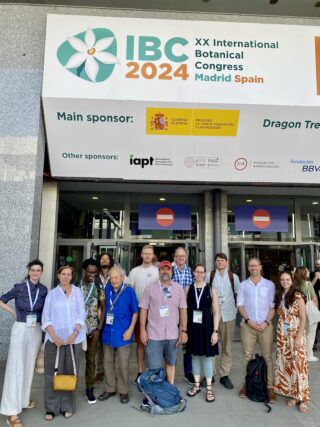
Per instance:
x=92, y=55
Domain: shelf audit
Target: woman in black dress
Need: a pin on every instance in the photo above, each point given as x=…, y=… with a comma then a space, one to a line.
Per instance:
x=203, y=325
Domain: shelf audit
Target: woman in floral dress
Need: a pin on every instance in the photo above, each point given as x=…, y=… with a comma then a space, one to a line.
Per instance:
x=291, y=371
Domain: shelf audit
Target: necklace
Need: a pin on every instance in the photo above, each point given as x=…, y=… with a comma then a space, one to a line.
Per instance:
x=66, y=291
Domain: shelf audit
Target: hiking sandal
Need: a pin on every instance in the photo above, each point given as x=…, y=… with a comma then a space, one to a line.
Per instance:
x=303, y=407
x=291, y=403
x=194, y=390
x=210, y=397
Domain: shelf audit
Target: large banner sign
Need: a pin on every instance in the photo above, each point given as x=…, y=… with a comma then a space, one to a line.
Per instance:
x=143, y=99
x=261, y=218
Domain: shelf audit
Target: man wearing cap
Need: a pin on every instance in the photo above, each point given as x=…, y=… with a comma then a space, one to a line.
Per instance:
x=163, y=320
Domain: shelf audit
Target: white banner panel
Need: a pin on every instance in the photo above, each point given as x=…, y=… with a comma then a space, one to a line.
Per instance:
x=182, y=100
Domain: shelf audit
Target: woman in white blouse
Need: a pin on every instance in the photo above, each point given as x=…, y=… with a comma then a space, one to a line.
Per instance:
x=63, y=320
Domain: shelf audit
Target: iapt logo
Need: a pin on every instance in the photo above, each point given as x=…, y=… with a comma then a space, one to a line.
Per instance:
x=141, y=161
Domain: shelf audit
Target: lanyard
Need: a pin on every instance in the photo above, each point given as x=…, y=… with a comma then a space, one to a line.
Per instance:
x=90, y=292
x=181, y=275
x=164, y=295
x=198, y=297
x=103, y=280
x=123, y=286
x=32, y=304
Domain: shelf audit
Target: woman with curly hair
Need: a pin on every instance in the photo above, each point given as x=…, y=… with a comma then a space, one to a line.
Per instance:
x=291, y=369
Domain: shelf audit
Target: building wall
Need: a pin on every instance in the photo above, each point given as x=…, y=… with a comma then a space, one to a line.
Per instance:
x=22, y=32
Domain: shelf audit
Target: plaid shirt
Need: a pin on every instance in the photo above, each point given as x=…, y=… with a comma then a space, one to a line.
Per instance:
x=183, y=277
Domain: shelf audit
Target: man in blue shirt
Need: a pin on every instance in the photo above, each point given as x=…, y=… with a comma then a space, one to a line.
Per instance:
x=121, y=313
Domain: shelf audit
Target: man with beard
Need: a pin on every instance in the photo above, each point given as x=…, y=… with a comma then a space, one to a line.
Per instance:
x=163, y=321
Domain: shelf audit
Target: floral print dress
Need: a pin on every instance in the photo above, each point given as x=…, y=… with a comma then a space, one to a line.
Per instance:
x=291, y=370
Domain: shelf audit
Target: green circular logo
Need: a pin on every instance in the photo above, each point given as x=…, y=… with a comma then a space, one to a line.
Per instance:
x=90, y=55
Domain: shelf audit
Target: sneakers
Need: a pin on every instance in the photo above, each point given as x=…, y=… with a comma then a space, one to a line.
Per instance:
x=189, y=378
x=90, y=396
x=313, y=359
x=225, y=381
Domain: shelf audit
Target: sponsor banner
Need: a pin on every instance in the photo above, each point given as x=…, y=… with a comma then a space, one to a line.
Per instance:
x=196, y=122
x=191, y=101
x=164, y=217
x=181, y=61
x=261, y=218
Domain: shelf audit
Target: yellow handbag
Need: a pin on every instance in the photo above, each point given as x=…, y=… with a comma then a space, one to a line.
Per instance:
x=64, y=382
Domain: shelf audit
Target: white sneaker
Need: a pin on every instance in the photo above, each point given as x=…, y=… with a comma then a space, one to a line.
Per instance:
x=313, y=359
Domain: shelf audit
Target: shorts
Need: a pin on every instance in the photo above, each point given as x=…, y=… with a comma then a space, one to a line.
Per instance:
x=156, y=351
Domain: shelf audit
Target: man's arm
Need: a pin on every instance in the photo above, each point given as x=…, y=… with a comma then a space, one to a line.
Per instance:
x=143, y=322
x=183, y=321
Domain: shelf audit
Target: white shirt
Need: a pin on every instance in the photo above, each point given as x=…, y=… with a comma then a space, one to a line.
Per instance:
x=64, y=313
x=221, y=283
x=256, y=299
x=140, y=277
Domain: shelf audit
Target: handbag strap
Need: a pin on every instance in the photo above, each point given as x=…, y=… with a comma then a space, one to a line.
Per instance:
x=57, y=361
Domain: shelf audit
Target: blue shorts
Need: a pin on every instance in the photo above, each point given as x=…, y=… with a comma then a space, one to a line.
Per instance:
x=156, y=351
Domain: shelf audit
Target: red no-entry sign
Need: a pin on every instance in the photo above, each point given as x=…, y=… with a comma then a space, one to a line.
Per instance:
x=261, y=218
x=165, y=217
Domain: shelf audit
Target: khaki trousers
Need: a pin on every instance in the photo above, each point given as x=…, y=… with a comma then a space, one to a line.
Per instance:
x=249, y=339
x=226, y=330
x=116, y=365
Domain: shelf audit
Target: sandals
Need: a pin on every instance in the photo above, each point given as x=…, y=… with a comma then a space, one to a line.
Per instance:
x=67, y=414
x=291, y=403
x=194, y=390
x=31, y=404
x=303, y=407
x=49, y=416
x=210, y=396
x=14, y=423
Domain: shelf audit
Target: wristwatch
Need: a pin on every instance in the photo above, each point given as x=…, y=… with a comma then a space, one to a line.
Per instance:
x=183, y=330
x=267, y=322
x=246, y=320
x=216, y=331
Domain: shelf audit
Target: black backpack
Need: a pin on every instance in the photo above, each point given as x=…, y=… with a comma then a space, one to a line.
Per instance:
x=256, y=381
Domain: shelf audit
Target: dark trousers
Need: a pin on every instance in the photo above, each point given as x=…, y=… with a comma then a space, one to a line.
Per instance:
x=90, y=361
x=59, y=401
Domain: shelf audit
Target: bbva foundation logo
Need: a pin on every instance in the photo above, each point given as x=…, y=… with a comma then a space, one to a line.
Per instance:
x=90, y=55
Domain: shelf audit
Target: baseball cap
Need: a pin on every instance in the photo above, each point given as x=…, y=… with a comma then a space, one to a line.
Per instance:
x=165, y=264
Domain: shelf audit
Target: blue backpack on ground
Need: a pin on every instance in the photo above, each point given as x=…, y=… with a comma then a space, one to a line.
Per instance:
x=160, y=397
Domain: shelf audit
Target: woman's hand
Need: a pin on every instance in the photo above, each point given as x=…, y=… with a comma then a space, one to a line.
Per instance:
x=58, y=341
x=214, y=338
x=71, y=338
x=298, y=342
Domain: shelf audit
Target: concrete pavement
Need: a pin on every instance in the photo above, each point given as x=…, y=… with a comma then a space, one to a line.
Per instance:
x=227, y=411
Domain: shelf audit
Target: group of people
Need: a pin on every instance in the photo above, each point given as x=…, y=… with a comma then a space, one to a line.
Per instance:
x=160, y=308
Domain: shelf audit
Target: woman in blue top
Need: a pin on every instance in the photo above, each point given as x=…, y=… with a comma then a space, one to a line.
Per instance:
x=121, y=313
x=25, y=342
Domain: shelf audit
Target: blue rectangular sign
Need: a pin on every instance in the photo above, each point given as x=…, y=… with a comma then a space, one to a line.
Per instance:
x=261, y=218
x=165, y=217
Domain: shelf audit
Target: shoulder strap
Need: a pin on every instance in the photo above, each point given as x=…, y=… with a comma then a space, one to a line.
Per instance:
x=212, y=274
x=231, y=278
x=57, y=361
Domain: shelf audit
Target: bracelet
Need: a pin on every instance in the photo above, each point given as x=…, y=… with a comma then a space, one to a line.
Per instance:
x=267, y=322
x=246, y=320
x=184, y=331
x=76, y=331
x=215, y=331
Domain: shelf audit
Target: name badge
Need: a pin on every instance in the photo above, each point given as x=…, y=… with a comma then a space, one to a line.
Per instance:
x=285, y=327
x=197, y=316
x=109, y=319
x=164, y=311
x=31, y=320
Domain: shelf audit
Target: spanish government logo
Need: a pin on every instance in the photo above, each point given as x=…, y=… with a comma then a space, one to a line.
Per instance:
x=90, y=55
x=159, y=122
